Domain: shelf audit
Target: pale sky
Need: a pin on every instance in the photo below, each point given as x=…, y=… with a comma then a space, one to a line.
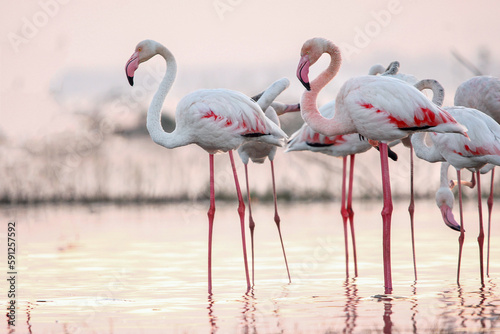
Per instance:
x=43, y=43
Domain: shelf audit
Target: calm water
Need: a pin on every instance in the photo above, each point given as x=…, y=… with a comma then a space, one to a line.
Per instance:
x=142, y=269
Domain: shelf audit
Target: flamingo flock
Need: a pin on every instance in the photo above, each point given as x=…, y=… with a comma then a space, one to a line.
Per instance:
x=368, y=111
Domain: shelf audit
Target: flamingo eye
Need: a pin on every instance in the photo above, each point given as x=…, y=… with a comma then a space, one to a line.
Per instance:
x=139, y=49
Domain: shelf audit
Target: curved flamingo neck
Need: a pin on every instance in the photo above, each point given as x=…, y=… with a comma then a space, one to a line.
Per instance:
x=435, y=86
x=308, y=103
x=422, y=150
x=443, y=178
x=159, y=136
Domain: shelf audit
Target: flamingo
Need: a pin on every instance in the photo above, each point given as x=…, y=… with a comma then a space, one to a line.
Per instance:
x=306, y=139
x=380, y=108
x=482, y=93
x=217, y=120
x=482, y=148
x=259, y=151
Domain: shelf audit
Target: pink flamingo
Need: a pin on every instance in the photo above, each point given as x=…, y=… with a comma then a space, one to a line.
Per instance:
x=306, y=139
x=482, y=148
x=259, y=151
x=380, y=108
x=482, y=93
x=217, y=120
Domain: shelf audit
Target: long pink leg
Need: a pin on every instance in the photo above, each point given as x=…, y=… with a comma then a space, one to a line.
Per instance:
x=480, y=237
x=350, y=211
x=490, y=207
x=241, y=212
x=345, y=214
x=386, y=217
x=277, y=220
x=411, y=210
x=251, y=223
x=461, y=237
x=211, y=214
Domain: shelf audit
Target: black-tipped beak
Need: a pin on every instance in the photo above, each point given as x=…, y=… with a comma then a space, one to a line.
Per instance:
x=303, y=72
x=306, y=84
x=448, y=218
x=453, y=227
x=131, y=66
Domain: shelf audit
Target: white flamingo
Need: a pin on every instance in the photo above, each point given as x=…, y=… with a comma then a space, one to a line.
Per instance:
x=482, y=148
x=217, y=120
x=482, y=93
x=258, y=152
x=380, y=108
x=306, y=139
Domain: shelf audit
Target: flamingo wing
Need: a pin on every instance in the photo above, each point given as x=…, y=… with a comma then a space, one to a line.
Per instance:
x=388, y=108
x=482, y=93
x=226, y=111
x=483, y=145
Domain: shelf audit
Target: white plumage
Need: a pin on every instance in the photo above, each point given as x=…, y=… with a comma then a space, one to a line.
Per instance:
x=220, y=120
x=306, y=139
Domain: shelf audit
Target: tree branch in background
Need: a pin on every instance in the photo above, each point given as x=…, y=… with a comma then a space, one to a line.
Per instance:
x=469, y=65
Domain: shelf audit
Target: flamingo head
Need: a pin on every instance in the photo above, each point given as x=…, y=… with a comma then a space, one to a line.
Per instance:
x=444, y=200
x=310, y=53
x=143, y=52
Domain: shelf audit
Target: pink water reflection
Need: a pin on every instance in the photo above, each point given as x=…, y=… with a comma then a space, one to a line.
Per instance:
x=142, y=269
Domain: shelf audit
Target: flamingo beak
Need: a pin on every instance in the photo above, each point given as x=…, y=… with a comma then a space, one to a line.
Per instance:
x=303, y=71
x=448, y=218
x=131, y=66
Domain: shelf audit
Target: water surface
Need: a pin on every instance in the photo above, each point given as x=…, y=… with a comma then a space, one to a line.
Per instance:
x=142, y=269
